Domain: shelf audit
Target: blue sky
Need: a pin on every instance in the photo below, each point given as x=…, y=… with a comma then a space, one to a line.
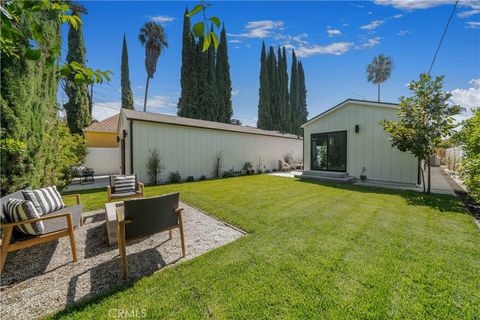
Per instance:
x=335, y=40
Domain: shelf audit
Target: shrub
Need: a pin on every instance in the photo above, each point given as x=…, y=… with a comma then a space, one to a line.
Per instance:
x=203, y=177
x=218, y=164
x=259, y=171
x=228, y=174
x=267, y=171
x=248, y=167
x=154, y=167
x=174, y=177
x=190, y=179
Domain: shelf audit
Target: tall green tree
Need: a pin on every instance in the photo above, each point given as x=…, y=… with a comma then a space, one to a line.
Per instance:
x=127, y=96
x=189, y=76
x=152, y=36
x=379, y=70
x=294, y=93
x=37, y=148
x=224, y=82
x=78, y=106
x=263, y=121
x=302, y=100
x=424, y=120
x=273, y=81
x=469, y=138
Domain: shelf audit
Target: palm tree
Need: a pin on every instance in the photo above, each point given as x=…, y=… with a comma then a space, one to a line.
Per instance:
x=379, y=70
x=153, y=37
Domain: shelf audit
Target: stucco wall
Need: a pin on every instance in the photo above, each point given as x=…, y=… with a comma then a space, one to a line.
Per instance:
x=101, y=139
x=104, y=161
x=370, y=147
x=192, y=151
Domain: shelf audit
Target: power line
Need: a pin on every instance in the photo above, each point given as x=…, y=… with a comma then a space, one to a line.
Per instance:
x=443, y=36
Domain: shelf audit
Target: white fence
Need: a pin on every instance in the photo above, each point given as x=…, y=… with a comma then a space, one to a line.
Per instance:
x=104, y=161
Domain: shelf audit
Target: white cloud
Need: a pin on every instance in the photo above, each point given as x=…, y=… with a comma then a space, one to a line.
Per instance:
x=103, y=110
x=372, y=25
x=403, y=32
x=235, y=92
x=397, y=16
x=336, y=48
x=467, y=98
x=334, y=32
x=469, y=13
x=425, y=4
x=473, y=25
x=234, y=41
x=369, y=43
x=161, y=19
x=260, y=29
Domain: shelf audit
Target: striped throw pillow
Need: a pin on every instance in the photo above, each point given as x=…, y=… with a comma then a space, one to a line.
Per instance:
x=20, y=210
x=45, y=200
x=124, y=183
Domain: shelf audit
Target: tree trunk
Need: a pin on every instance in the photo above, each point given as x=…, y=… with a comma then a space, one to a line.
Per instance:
x=429, y=177
x=378, y=86
x=419, y=168
x=146, y=93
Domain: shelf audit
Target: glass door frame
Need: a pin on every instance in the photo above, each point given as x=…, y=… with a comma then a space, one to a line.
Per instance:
x=312, y=153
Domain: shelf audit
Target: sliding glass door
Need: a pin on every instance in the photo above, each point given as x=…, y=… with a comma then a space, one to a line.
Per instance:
x=329, y=151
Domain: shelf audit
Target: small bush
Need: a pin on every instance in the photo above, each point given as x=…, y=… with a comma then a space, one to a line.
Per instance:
x=174, y=177
x=267, y=171
x=248, y=166
x=228, y=174
x=203, y=177
x=288, y=157
x=190, y=179
x=259, y=171
x=154, y=167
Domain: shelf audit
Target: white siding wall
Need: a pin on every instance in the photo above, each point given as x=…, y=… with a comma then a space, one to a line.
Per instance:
x=370, y=147
x=192, y=151
x=104, y=161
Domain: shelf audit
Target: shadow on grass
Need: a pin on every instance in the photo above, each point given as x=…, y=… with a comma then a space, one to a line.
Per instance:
x=439, y=202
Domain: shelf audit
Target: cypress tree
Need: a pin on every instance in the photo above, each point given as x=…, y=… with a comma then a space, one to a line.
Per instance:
x=189, y=74
x=211, y=103
x=127, y=96
x=294, y=98
x=224, y=82
x=263, y=92
x=274, y=122
x=284, y=94
x=28, y=96
x=302, y=94
x=77, y=107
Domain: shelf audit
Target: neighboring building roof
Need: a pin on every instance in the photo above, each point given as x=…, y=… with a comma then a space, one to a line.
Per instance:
x=106, y=125
x=349, y=101
x=181, y=121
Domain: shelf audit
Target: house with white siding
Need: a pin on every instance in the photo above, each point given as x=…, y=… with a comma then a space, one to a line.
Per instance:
x=347, y=141
x=190, y=146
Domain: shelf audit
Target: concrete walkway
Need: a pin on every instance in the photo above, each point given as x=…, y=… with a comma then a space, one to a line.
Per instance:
x=100, y=182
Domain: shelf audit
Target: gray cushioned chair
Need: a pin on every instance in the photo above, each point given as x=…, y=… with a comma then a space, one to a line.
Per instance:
x=57, y=224
x=144, y=217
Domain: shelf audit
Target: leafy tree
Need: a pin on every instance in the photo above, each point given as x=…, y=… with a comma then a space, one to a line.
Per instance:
x=469, y=138
x=78, y=105
x=127, y=96
x=153, y=37
x=37, y=148
x=155, y=167
x=424, y=119
x=224, y=82
x=200, y=29
x=379, y=70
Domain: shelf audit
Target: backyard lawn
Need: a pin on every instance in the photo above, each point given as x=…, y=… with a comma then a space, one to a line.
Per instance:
x=313, y=251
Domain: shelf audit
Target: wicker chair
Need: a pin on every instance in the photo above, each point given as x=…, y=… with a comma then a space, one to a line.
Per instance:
x=112, y=194
x=144, y=217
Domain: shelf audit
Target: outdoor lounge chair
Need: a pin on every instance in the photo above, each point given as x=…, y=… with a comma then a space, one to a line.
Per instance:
x=283, y=166
x=136, y=191
x=57, y=224
x=144, y=217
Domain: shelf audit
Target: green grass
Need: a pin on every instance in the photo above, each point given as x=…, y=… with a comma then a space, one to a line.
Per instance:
x=313, y=251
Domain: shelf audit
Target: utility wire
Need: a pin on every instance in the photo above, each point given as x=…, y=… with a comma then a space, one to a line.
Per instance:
x=443, y=36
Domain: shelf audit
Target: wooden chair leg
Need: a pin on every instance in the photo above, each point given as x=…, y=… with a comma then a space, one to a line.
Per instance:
x=5, y=243
x=122, y=248
x=182, y=238
x=170, y=234
x=71, y=232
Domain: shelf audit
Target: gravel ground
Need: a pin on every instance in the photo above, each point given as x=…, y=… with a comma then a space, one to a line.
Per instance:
x=43, y=279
